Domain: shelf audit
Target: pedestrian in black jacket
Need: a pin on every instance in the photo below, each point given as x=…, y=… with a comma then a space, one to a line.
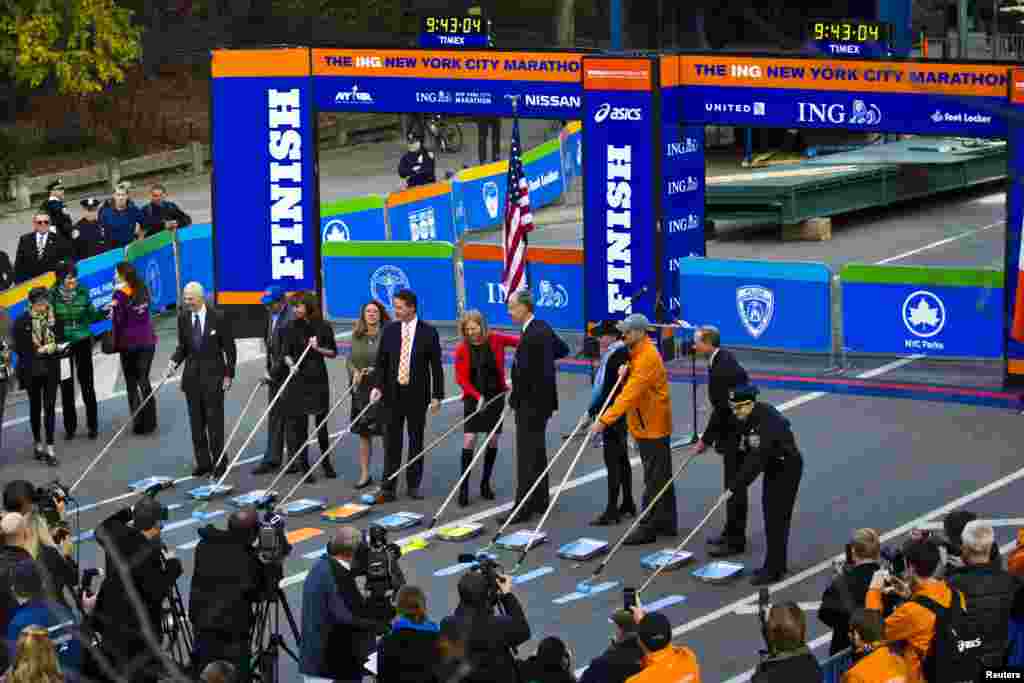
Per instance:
x=551, y=664
x=791, y=660
x=416, y=167
x=848, y=591
x=723, y=434
x=622, y=659
x=488, y=637
x=132, y=537
x=411, y=652
x=89, y=237
x=160, y=214
x=14, y=538
x=993, y=596
x=228, y=578
x=614, y=354
x=39, y=251
x=36, y=332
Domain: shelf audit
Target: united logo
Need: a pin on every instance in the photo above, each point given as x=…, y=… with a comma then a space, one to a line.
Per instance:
x=756, y=306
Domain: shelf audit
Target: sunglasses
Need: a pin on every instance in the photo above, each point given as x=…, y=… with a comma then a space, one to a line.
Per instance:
x=41, y=222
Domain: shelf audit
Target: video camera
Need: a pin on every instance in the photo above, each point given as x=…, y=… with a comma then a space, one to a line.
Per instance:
x=272, y=544
x=377, y=560
x=47, y=499
x=487, y=567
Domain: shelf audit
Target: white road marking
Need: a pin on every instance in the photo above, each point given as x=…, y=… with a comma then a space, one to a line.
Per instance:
x=805, y=606
x=940, y=243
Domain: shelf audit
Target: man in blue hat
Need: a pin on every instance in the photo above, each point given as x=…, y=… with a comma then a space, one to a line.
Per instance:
x=768, y=446
x=279, y=316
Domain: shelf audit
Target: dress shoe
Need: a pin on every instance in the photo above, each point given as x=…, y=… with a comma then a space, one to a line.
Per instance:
x=606, y=519
x=766, y=578
x=328, y=469
x=201, y=471
x=295, y=469
x=641, y=536
x=93, y=434
x=521, y=518
x=627, y=510
x=220, y=471
x=463, y=498
x=722, y=539
x=726, y=550
x=486, y=492
x=69, y=436
x=311, y=479
x=415, y=494
x=364, y=483
x=266, y=468
x=384, y=497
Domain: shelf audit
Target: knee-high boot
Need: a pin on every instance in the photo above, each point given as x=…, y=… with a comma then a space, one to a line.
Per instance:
x=467, y=457
x=490, y=455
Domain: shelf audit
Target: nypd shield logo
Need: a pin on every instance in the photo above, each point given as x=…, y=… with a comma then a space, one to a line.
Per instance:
x=756, y=306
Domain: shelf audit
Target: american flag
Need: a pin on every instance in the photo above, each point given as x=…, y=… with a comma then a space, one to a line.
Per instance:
x=518, y=219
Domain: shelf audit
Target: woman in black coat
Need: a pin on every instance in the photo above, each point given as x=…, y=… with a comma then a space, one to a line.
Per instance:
x=35, y=341
x=309, y=392
x=411, y=653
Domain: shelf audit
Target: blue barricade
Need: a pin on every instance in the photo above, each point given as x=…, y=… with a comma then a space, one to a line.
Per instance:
x=543, y=168
x=357, y=272
x=153, y=258
x=195, y=253
x=556, y=277
x=782, y=305
x=572, y=151
x=360, y=219
x=951, y=312
x=421, y=214
x=96, y=275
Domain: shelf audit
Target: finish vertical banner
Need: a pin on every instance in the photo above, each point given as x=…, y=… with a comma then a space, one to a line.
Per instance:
x=264, y=186
x=682, y=202
x=620, y=273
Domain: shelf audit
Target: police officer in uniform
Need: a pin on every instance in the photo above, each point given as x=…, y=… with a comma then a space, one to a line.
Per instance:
x=768, y=445
x=88, y=237
x=60, y=215
x=416, y=166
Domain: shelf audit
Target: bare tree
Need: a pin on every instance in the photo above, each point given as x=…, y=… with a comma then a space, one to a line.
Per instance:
x=565, y=23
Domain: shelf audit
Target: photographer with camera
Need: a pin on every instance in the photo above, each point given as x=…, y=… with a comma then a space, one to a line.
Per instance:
x=789, y=657
x=49, y=535
x=489, y=637
x=622, y=659
x=662, y=660
x=13, y=544
x=874, y=660
x=848, y=590
x=337, y=637
x=132, y=537
x=227, y=580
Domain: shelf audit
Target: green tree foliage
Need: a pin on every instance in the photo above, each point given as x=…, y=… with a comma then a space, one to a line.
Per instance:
x=83, y=44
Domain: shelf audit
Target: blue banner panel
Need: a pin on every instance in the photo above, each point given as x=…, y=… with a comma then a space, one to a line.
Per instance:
x=923, y=319
x=1013, y=263
x=479, y=195
x=619, y=232
x=557, y=290
x=422, y=220
x=96, y=275
x=544, y=175
x=778, y=305
x=537, y=100
x=869, y=111
x=156, y=266
x=351, y=282
x=195, y=251
x=682, y=203
x=265, y=198
x=359, y=225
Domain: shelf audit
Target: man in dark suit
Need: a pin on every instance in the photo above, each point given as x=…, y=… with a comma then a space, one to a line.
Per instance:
x=534, y=398
x=408, y=377
x=207, y=348
x=337, y=636
x=39, y=251
x=723, y=434
x=280, y=314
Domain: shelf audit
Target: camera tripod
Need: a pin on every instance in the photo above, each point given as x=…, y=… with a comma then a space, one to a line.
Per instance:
x=176, y=630
x=266, y=638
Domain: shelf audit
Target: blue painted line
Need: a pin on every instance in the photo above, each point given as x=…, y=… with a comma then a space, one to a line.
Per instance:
x=316, y=554
x=577, y=595
x=531, y=575
x=192, y=520
x=667, y=601
x=454, y=569
x=84, y=536
x=189, y=546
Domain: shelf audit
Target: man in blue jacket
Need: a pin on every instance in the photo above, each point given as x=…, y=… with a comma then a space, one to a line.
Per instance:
x=336, y=637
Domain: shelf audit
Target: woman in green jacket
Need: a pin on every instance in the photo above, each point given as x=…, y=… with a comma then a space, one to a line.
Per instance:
x=73, y=308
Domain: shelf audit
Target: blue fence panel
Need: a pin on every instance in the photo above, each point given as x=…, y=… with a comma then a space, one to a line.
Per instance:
x=195, y=250
x=781, y=305
x=479, y=195
x=422, y=214
x=545, y=178
x=153, y=258
x=557, y=291
x=359, y=218
x=96, y=274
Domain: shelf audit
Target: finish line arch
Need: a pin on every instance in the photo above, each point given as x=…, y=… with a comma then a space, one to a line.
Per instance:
x=643, y=137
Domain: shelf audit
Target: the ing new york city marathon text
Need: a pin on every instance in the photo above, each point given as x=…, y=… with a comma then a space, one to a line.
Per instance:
x=828, y=73
x=455, y=63
x=286, y=200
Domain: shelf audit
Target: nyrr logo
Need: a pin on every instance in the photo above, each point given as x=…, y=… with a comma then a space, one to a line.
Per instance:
x=385, y=282
x=353, y=96
x=336, y=231
x=606, y=111
x=756, y=307
x=861, y=113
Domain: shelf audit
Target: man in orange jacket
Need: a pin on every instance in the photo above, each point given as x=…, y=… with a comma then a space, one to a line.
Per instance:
x=647, y=405
x=663, y=662
x=912, y=623
x=876, y=662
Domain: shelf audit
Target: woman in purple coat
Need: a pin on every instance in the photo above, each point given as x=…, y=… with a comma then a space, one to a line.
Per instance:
x=135, y=341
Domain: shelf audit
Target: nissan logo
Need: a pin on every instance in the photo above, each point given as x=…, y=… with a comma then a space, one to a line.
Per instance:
x=602, y=112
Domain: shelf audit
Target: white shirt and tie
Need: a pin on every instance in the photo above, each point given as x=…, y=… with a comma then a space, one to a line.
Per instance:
x=527, y=323
x=41, y=243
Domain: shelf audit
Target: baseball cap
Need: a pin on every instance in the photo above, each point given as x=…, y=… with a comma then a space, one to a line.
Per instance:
x=272, y=294
x=654, y=631
x=11, y=523
x=606, y=327
x=636, y=321
x=623, y=618
x=57, y=184
x=743, y=394
x=90, y=203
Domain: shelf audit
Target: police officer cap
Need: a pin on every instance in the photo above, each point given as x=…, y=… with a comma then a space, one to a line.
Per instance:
x=90, y=204
x=57, y=184
x=414, y=136
x=743, y=394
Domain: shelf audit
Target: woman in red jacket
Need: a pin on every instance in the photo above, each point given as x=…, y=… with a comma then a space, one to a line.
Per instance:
x=480, y=371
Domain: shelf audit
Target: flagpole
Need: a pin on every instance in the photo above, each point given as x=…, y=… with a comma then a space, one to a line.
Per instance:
x=526, y=236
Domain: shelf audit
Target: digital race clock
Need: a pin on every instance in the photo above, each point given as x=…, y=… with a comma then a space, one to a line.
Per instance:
x=849, y=37
x=454, y=31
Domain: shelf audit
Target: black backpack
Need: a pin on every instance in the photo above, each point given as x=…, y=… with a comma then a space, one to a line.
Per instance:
x=954, y=653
